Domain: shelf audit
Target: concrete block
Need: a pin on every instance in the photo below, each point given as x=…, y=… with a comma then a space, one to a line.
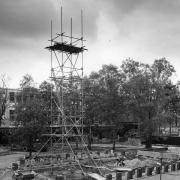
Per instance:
x=22, y=162
x=173, y=167
x=118, y=176
x=139, y=172
x=149, y=171
x=178, y=165
x=14, y=166
x=109, y=177
x=143, y=169
x=158, y=169
x=67, y=156
x=166, y=168
x=59, y=177
x=28, y=177
x=130, y=175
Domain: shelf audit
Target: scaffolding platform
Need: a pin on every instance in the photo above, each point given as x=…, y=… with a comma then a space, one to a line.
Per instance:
x=63, y=47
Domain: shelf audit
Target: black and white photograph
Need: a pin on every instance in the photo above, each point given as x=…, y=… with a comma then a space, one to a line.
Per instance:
x=89, y=89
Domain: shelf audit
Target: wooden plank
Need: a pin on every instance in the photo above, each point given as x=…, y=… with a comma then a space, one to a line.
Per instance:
x=96, y=176
x=97, y=167
x=122, y=169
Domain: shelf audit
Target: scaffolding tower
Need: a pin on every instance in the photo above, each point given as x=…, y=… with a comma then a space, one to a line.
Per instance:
x=67, y=77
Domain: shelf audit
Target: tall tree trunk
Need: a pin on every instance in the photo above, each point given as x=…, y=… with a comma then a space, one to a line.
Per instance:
x=176, y=119
x=159, y=129
x=139, y=128
x=149, y=140
x=170, y=128
x=1, y=120
x=114, y=145
x=114, y=141
x=149, y=133
x=30, y=145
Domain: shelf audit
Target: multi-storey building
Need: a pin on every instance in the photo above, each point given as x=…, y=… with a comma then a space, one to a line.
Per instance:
x=10, y=96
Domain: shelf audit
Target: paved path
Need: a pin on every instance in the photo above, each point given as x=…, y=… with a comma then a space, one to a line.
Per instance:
x=169, y=176
x=5, y=161
x=7, y=175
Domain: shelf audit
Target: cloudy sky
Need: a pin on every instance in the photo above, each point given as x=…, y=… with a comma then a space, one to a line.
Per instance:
x=114, y=29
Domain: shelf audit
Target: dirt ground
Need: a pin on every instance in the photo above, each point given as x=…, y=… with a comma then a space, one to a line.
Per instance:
x=169, y=176
x=7, y=158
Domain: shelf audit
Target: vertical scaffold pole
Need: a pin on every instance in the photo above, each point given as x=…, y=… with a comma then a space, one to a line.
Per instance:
x=51, y=109
x=82, y=76
x=62, y=90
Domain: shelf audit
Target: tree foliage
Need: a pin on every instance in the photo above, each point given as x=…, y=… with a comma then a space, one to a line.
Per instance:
x=3, y=97
x=31, y=115
x=133, y=92
x=27, y=81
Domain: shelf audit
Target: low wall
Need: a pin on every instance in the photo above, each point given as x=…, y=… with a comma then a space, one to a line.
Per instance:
x=169, y=140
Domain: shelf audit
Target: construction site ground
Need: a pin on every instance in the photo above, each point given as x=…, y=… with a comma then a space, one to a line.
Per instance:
x=169, y=176
x=7, y=157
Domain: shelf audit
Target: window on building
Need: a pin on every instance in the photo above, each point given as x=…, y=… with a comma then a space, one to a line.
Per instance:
x=12, y=115
x=12, y=96
x=18, y=98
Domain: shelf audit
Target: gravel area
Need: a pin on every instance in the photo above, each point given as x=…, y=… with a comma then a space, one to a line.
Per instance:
x=169, y=176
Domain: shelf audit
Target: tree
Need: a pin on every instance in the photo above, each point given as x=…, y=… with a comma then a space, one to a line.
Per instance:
x=162, y=71
x=140, y=102
x=31, y=120
x=31, y=114
x=143, y=90
x=171, y=105
x=103, y=103
x=3, y=98
x=49, y=97
x=27, y=81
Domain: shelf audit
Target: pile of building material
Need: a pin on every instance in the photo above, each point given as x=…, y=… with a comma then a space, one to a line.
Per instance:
x=136, y=163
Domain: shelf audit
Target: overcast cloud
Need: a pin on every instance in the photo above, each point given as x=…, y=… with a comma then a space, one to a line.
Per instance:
x=114, y=29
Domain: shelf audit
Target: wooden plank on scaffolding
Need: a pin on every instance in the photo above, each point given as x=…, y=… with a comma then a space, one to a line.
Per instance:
x=96, y=176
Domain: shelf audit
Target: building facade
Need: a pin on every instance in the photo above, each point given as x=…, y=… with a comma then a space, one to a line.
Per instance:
x=10, y=96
